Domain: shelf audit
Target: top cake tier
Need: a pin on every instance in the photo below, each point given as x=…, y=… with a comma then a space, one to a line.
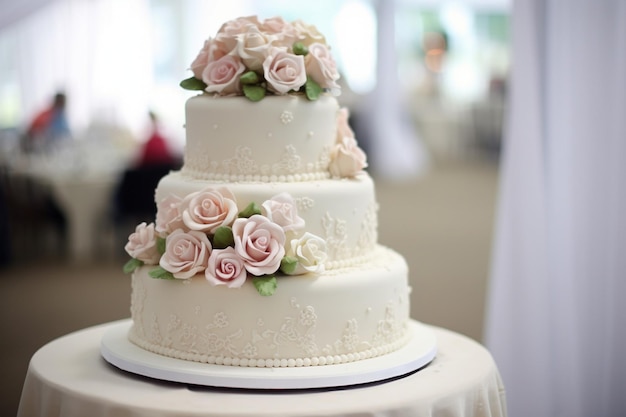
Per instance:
x=283, y=138
x=267, y=112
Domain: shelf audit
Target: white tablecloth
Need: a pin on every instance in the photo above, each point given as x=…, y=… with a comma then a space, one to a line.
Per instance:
x=69, y=378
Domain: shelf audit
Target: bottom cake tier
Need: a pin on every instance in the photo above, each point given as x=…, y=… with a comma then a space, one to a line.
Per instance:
x=341, y=316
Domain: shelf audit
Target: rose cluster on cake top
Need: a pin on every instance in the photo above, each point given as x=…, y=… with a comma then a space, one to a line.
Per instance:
x=253, y=58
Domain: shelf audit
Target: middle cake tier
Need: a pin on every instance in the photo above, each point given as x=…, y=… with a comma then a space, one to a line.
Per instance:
x=342, y=212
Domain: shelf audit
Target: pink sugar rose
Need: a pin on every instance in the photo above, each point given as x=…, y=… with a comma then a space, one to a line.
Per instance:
x=186, y=253
x=222, y=76
x=211, y=51
x=285, y=32
x=208, y=209
x=142, y=244
x=321, y=67
x=168, y=217
x=259, y=243
x=282, y=210
x=274, y=24
x=346, y=158
x=201, y=61
x=343, y=127
x=284, y=71
x=253, y=47
x=226, y=268
x=239, y=25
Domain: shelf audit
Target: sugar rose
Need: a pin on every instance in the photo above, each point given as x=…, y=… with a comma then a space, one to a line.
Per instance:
x=201, y=61
x=186, y=253
x=226, y=268
x=253, y=47
x=239, y=25
x=209, y=209
x=343, y=127
x=346, y=158
x=142, y=244
x=259, y=243
x=282, y=210
x=284, y=71
x=222, y=76
x=212, y=50
x=168, y=217
x=285, y=32
x=321, y=67
x=308, y=34
x=310, y=251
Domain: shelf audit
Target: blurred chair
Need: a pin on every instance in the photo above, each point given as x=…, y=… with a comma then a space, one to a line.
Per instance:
x=133, y=199
x=30, y=218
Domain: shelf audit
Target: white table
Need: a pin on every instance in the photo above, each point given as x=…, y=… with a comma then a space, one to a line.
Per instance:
x=86, y=201
x=81, y=180
x=69, y=378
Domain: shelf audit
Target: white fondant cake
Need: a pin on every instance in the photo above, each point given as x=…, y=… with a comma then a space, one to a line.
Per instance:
x=264, y=251
x=283, y=138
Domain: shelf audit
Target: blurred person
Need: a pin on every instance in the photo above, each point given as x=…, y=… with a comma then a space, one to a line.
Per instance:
x=49, y=127
x=156, y=150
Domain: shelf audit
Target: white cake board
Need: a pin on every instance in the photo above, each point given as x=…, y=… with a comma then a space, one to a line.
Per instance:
x=120, y=352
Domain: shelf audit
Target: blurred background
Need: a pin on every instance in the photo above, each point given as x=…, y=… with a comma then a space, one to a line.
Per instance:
x=425, y=82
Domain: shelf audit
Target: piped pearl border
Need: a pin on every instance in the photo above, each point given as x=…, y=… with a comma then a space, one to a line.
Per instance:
x=298, y=177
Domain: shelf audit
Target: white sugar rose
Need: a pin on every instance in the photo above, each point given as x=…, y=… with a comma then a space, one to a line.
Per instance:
x=186, y=253
x=208, y=209
x=222, y=76
x=168, y=217
x=284, y=71
x=308, y=34
x=226, y=268
x=253, y=47
x=346, y=158
x=321, y=67
x=310, y=251
x=142, y=244
x=282, y=210
x=228, y=34
x=259, y=243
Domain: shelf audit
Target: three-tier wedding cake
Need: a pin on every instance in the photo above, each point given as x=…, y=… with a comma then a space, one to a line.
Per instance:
x=264, y=250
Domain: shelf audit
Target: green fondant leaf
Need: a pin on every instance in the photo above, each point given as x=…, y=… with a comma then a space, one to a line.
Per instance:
x=160, y=244
x=160, y=273
x=312, y=89
x=288, y=264
x=192, y=83
x=131, y=265
x=265, y=285
x=223, y=238
x=252, y=209
x=254, y=92
x=249, y=78
x=300, y=49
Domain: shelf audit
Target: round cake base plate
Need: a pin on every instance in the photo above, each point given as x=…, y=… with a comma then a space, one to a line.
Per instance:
x=417, y=353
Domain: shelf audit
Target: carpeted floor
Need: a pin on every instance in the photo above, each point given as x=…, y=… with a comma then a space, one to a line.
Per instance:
x=441, y=222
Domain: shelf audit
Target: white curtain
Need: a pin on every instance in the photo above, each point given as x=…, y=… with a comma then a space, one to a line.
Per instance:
x=395, y=150
x=98, y=51
x=556, y=316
